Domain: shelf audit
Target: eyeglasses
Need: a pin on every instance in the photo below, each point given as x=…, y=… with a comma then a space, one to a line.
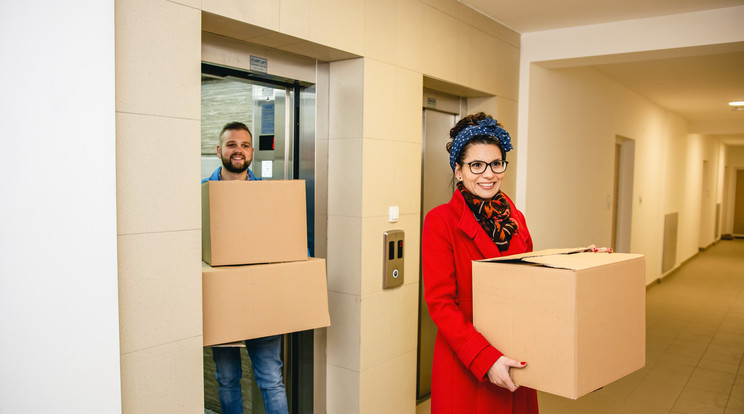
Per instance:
x=479, y=167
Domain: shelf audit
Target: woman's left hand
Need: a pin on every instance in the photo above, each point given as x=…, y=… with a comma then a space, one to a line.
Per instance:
x=595, y=249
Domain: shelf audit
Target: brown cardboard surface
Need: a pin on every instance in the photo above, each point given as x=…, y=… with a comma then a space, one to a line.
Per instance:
x=247, y=222
x=253, y=301
x=578, y=319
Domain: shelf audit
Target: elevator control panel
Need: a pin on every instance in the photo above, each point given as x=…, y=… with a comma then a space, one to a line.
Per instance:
x=393, y=259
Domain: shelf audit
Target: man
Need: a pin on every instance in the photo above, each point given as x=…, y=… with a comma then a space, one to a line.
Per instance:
x=236, y=152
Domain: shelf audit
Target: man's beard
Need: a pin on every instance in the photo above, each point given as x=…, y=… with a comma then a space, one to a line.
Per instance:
x=229, y=166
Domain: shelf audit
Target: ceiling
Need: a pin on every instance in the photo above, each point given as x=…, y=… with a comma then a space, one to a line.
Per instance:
x=697, y=84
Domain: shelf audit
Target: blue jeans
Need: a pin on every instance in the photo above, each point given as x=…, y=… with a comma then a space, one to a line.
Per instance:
x=267, y=370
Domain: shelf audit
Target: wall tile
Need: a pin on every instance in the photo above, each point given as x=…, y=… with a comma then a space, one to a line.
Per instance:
x=190, y=3
x=157, y=174
x=380, y=36
x=379, y=99
x=346, y=99
x=466, y=52
x=158, y=55
x=389, y=325
x=392, y=102
x=412, y=224
x=264, y=13
x=391, y=177
x=160, y=298
x=343, y=335
x=343, y=391
x=379, y=172
x=345, y=177
x=410, y=34
x=506, y=80
x=408, y=117
x=164, y=379
x=396, y=381
x=222, y=50
x=440, y=42
x=339, y=24
x=344, y=254
x=482, y=62
x=293, y=18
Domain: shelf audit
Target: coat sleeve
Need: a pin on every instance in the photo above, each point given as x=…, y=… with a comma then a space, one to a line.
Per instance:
x=440, y=293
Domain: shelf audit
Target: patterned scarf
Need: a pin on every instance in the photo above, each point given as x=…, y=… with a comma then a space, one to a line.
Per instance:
x=494, y=216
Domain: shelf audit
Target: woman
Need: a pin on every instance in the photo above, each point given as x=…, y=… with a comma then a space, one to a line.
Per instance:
x=469, y=375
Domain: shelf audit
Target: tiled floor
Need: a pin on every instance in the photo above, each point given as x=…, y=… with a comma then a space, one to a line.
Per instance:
x=694, y=345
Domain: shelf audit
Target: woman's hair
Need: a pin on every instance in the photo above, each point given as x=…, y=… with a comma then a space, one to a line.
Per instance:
x=478, y=139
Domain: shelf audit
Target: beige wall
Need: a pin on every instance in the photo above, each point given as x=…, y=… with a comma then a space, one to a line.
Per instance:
x=158, y=56
x=569, y=111
x=570, y=170
x=575, y=116
x=381, y=52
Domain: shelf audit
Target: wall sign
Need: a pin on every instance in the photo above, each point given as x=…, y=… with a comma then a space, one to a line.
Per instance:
x=259, y=64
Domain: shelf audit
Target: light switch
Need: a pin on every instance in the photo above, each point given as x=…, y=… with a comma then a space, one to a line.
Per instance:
x=393, y=214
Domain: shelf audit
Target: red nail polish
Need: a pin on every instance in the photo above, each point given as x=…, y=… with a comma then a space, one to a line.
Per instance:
x=524, y=363
x=596, y=250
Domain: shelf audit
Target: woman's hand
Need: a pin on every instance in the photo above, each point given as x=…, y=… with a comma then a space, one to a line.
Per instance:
x=595, y=249
x=499, y=373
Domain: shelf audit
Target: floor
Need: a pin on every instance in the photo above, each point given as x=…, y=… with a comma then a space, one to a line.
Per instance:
x=694, y=345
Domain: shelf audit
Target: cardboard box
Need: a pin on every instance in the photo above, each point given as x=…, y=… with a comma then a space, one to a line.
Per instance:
x=577, y=319
x=253, y=301
x=246, y=222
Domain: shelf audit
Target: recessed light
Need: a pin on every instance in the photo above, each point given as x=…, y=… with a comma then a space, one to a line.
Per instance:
x=736, y=103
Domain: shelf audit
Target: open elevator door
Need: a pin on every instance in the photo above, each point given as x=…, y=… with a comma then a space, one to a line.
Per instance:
x=280, y=113
x=437, y=185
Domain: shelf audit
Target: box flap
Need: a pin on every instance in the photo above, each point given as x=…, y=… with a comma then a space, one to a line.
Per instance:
x=581, y=261
x=537, y=253
x=569, y=258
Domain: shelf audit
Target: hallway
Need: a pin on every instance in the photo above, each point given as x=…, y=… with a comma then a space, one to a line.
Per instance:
x=694, y=344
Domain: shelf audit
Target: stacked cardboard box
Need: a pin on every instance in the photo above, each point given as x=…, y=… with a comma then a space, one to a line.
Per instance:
x=256, y=277
x=577, y=319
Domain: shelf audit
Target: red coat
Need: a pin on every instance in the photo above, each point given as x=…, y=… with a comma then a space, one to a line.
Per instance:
x=451, y=239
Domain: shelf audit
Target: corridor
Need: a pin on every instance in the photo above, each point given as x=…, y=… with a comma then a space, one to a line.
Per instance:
x=694, y=344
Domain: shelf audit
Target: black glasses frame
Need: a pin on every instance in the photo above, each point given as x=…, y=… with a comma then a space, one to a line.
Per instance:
x=487, y=164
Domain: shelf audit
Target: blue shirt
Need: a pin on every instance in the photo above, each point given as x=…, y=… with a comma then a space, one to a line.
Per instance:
x=216, y=176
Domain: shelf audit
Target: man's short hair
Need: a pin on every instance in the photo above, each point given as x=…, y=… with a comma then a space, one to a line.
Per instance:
x=234, y=126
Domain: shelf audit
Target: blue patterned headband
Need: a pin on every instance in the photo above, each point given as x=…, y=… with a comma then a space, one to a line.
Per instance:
x=487, y=126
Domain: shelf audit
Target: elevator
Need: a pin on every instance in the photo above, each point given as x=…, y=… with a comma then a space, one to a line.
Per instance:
x=280, y=112
x=440, y=114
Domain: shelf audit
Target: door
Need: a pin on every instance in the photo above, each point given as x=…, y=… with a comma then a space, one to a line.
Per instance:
x=437, y=185
x=739, y=204
x=622, y=206
x=280, y=114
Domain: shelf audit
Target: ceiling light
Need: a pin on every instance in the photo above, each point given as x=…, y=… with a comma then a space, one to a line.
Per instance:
x=737, y=105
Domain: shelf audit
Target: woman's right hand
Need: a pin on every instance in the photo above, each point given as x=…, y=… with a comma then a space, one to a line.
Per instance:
x=499, y=375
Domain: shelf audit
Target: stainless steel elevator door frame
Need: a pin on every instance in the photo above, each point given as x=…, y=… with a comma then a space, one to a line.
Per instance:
x=293, y=117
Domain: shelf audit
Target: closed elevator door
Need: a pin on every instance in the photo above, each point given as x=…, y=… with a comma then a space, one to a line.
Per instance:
x=281, y=116
x=437, y=185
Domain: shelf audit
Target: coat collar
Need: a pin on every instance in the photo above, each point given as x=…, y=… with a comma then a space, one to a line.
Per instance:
x=470, y=226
